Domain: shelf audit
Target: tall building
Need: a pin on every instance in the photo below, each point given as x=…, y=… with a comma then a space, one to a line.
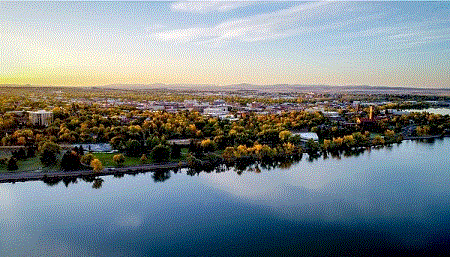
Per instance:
x=371, y=112
x=41, y=118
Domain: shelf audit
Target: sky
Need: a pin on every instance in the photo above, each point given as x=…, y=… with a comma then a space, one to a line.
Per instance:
x=401, y=44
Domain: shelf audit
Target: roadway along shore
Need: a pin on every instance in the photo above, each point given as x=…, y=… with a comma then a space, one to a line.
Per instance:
x=12, y=177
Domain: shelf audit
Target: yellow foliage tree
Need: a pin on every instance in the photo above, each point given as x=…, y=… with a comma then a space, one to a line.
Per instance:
x=228, y=154
x=285, y=135
x=241, y=151
x=119, y=159
x=97, y=165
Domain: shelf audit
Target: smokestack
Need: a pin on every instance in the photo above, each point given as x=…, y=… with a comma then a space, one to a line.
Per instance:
x=371, y=112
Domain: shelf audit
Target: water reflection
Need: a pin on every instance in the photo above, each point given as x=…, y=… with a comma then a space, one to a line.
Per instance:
x=96, y=181
x=242, y=166
x=161, y=175
x=379, y=202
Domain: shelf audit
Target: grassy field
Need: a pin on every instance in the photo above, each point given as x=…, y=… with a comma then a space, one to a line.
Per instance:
x=32, y=164
x=107, y=159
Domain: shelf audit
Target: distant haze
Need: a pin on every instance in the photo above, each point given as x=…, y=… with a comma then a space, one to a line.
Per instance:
x=395, y=44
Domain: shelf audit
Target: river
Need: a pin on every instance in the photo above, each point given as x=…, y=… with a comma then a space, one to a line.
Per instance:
x=442, y=111
x=384, y=201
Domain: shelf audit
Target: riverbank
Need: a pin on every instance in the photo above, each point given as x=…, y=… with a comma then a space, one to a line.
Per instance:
x=21, y=176
x=12, y=177
x=425, y=137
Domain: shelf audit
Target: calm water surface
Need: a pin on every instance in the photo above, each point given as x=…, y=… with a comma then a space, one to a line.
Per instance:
x=442, y=111
x=390, y=200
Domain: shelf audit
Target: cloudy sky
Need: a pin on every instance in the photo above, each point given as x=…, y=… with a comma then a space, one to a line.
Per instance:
x=334, y=43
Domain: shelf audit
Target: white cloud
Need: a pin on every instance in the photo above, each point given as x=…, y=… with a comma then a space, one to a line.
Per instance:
x=207, y=6
x=254, y=28
x=304, y=19
x=406, y=35
x=314, y=20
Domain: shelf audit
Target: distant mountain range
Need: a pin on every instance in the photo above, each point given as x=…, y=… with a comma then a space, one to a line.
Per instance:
x=284, y=88
x=280, y=88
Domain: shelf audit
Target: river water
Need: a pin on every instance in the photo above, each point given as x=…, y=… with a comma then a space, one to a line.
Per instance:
x=389, y=200
x=442, y=111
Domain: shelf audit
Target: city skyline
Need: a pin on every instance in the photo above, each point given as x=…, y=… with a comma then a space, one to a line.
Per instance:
x=403, y=44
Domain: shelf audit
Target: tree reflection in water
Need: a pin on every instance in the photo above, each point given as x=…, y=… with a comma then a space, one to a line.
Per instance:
x=161, y=175
x=239, y=166
x=97, y=183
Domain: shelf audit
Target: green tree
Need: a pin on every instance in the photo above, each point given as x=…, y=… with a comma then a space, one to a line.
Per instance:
x=176, y=151
x=160, y=153
x=12, y=164
x=133, y=148
x=312, y=147
x=70, y=161
x=48, y=153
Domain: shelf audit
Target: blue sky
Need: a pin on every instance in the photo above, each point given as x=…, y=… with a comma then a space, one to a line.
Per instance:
x=334, y=43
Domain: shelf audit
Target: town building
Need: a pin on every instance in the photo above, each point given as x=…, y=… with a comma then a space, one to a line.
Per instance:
x=41, y=118
x=216, y=111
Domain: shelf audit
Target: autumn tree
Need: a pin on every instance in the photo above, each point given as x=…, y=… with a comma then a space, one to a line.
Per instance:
x=119, y=159
x=207, y=145
x=228, y=154
x=143, y=158
x=378, y=140
x=87, y=158
x=97, y=165
x=285, y=135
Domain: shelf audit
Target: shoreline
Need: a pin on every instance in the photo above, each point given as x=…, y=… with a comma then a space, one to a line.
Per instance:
x=23, y=176
x=12, y=177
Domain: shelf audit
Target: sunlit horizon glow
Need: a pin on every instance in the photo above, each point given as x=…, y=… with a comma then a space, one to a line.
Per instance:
x=401, y=44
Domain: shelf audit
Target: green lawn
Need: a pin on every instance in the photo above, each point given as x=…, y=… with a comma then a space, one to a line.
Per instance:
x=373, y=135
x=107, y=159
x=32, y=164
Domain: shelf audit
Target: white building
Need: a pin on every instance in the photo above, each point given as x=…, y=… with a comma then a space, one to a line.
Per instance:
x=41, y=118
x=216, y=111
